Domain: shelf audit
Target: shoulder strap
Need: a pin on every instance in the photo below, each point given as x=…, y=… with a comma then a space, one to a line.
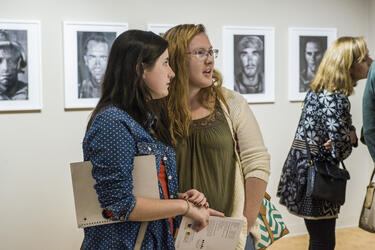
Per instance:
x=372, y=175
x=140, y=236
x=305, y=136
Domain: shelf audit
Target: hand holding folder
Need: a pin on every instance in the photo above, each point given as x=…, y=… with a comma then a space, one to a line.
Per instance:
x=88, y=209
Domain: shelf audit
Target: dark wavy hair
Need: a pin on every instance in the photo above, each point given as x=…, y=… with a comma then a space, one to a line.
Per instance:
x=123, y=86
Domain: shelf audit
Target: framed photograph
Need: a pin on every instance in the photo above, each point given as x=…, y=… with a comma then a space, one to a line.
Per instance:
x=20, y=66
x=306, y=50
x=249, y=62
x=86, y=51
x=159, y=29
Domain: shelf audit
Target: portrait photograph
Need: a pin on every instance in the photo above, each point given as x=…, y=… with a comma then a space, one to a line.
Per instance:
x=159, y=29
x=86, y=51
x=249, y=59
x=20, y=67
x=306, y=51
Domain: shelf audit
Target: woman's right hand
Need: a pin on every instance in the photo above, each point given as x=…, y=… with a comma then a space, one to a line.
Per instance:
x=201, y=216
x=353, y=141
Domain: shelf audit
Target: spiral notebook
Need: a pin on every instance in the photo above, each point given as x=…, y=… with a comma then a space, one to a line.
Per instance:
x=88, y=210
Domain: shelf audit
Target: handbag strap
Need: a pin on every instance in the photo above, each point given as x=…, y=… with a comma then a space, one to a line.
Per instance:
x=140, y=236
x=309, y=159
x=372, y=175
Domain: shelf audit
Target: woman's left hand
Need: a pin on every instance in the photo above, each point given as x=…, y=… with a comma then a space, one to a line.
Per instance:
x=195, y=197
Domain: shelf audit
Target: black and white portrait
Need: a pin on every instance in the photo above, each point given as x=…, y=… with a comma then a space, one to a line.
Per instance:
x=86, y=50
x=13, y=65
x=306, y=51
x=20, y=65
x=311, y=51
x=93, y=51
x=248, y=64
x=159, y=29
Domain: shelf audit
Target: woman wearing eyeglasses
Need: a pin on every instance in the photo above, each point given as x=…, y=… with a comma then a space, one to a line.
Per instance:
x=205, y=119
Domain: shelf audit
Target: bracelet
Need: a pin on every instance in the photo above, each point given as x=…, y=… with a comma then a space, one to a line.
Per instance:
x=187, y=209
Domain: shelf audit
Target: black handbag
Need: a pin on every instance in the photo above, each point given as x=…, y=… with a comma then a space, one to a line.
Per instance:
x=325, y=181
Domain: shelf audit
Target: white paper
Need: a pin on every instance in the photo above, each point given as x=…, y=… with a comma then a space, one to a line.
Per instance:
x=221, y=233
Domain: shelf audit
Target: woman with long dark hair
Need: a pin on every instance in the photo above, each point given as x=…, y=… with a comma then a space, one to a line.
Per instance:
x=123, y=125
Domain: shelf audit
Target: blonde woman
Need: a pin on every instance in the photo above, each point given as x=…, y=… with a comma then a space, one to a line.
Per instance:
x=205, y=120
x=330, y=134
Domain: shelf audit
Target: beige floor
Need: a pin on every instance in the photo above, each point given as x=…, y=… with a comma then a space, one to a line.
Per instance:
x=346, y=239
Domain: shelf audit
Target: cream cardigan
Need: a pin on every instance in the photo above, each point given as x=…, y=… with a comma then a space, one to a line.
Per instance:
x=253, y=160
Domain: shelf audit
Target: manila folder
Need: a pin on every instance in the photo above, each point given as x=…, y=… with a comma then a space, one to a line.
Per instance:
x=88, y=210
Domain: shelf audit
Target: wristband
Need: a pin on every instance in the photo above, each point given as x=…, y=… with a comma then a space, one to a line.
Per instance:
x=187, y=208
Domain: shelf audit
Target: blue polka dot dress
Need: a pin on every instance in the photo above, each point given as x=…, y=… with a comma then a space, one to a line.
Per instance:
x=111, y=144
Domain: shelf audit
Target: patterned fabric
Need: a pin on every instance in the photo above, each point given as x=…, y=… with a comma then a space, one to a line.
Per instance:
x=271, y=225
x=111, y=144
x=325, y=116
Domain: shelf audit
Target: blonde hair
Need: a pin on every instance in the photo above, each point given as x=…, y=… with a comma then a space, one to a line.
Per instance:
x=179, y=38
x=334, y=70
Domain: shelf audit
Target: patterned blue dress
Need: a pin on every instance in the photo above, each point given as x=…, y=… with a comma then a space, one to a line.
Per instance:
x=111, y=144
x=325, y=116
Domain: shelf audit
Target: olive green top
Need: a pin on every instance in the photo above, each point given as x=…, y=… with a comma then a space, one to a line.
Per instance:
x=206, y=161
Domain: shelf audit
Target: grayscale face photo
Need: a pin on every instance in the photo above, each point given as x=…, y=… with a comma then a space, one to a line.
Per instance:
x=93, y=51
x=311, y=51
x=13, y=65
x=248, y=64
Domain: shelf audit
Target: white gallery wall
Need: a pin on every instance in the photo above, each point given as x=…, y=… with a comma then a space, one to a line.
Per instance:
x=36, y=199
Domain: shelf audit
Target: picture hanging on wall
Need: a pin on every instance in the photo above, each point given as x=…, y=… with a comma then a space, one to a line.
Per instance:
x=20, y=65
x=306, y=50
x=249, y=62
x=159, y=29
x=86, y=51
